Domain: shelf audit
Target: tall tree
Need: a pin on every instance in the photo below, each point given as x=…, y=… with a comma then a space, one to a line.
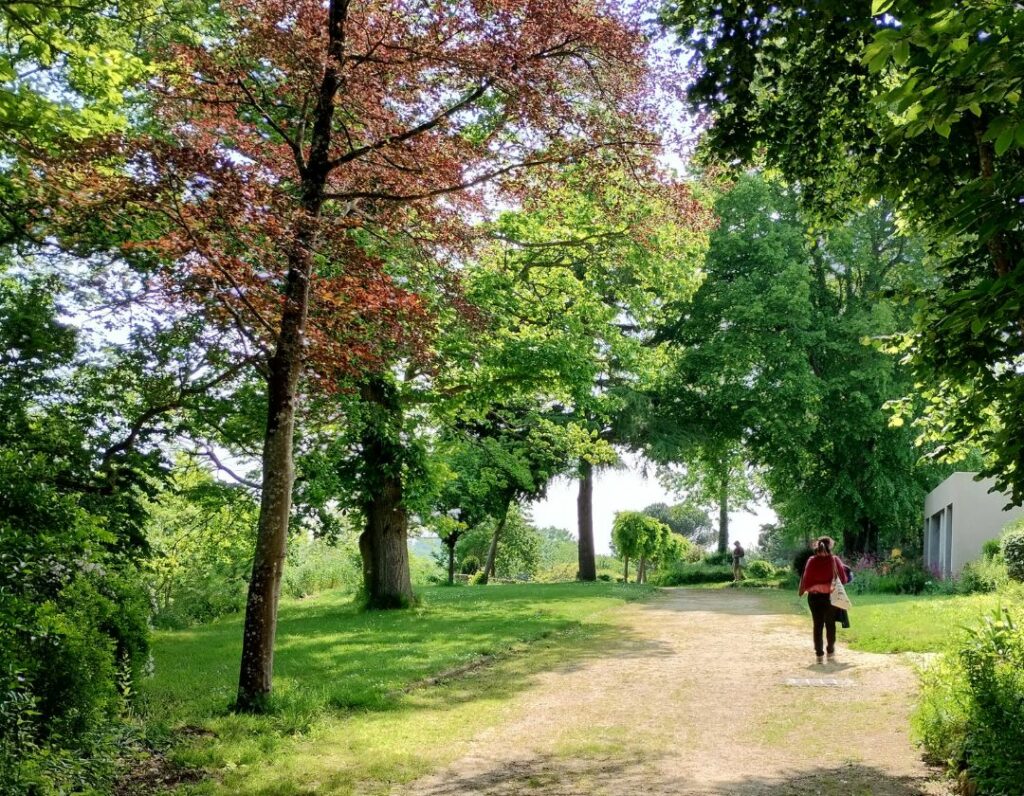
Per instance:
x=917, y=102
x=591, y=267
x=293, y=133
x=771, y=356
x=714, y=474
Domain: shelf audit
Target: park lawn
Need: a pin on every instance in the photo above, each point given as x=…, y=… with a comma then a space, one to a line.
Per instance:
x=902, y=622
x=340, y=718
x=921, y=623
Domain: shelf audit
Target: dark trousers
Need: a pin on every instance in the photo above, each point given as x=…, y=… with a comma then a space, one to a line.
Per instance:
x=824, y=614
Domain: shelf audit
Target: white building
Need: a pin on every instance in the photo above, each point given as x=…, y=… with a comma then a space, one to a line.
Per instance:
x=960, y=515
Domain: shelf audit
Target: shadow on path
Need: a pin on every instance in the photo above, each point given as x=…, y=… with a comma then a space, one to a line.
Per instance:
x=560, y=777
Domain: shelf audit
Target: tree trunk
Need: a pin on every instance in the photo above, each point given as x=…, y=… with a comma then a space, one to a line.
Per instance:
x=451, y=561
x=625, y=572
x=723, y=514
x=585, y=523
x=284, y=369
x=384, y=542
x=492, y=552
x=641, y=570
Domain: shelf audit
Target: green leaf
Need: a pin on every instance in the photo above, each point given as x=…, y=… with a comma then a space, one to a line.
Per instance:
x=901, y=53
x=1004, y=140
x=880, y=6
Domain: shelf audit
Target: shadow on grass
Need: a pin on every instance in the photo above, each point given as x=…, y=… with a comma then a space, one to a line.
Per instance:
x=330, y=655
x=573, y=777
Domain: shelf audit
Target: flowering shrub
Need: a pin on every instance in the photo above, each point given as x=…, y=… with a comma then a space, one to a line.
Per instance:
x=892, y=575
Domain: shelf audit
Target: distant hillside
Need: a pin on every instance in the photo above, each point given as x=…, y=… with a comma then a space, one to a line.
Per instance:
x=424, y=545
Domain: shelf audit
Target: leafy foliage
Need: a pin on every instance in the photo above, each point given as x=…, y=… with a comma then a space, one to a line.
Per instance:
x=693, y=573
x=919, y=103
x=686, y=519
x=73, y=619
x=759, y=568
x=647, y=541
x=769, y=365
x=1012, y=548
x=519, y=555
x=971, y=714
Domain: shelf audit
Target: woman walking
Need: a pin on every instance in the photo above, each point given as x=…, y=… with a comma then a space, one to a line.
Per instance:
x=816, y=583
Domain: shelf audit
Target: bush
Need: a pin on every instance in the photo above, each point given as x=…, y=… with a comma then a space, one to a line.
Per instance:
x=1013, y=551
x=477, y=578
x=717, y=559
x=992, y=548
x=201, y=534
x=896, y=575
x=73, y=635
x=321, y=564
x=688, y=574
x=971, y=712
x=987, y=574
x=760, y=570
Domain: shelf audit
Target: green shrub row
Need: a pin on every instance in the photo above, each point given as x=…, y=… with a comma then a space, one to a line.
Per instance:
x=683, y=574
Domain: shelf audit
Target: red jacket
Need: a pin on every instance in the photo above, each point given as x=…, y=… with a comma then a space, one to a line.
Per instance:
x=819, y=572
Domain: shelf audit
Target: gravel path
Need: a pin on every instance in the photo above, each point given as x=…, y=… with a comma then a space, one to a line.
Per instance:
x=704, y=692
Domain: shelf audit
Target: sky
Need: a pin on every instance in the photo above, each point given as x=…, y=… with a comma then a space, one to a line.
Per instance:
x=630, y=489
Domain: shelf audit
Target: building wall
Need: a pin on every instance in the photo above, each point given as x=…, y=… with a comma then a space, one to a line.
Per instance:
x=960, y=515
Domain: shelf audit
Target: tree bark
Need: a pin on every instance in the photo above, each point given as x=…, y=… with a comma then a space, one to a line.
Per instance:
x=585, y=523
x=451, y=561
x=723, y=514
x=625, y=572
x=384, y=542
x=641, y=570
x=256, y=675
x=492, y=552
x=284, y=369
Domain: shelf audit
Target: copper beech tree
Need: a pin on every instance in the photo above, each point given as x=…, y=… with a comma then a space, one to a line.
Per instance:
x=291, y=138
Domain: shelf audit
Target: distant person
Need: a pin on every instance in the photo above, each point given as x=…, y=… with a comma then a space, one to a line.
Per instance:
x=816, y=583
x=737, y=559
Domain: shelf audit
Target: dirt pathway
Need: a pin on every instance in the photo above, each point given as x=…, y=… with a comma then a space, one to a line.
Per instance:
x=704, y=693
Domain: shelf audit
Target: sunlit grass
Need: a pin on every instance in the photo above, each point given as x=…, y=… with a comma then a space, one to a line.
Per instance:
x=904, y=623
x=340, y=717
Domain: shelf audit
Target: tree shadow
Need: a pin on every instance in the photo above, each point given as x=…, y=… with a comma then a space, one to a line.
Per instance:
x=339, y=658
x=554, y=776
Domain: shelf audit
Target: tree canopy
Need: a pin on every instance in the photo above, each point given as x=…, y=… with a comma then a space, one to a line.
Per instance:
x=917, y=103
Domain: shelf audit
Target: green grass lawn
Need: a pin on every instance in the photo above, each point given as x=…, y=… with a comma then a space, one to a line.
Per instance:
x=925, y=623
x=340, y=718
x=904, y=623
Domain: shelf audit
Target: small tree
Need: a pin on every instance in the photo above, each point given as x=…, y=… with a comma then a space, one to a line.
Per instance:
x=637, y=536
x=691, y=522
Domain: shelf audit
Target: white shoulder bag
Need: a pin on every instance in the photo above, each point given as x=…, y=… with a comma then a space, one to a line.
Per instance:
x=838, y=597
